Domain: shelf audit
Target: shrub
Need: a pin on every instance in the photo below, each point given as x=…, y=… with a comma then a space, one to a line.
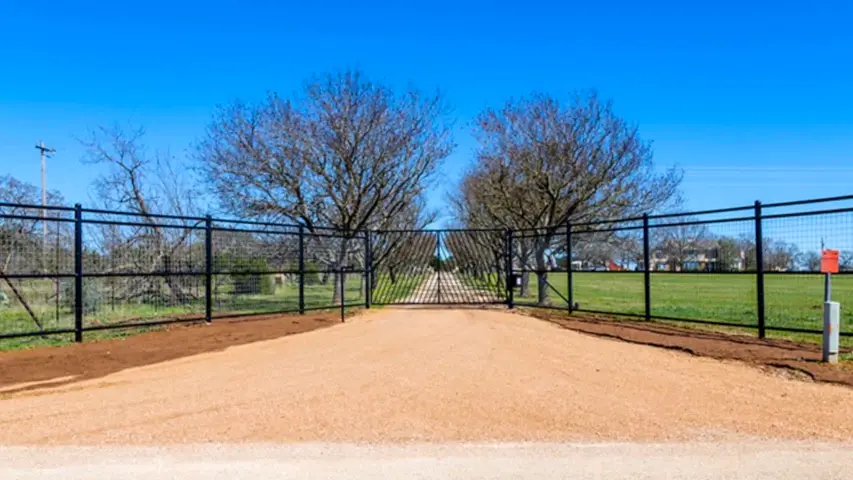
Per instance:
x=250, y=282
x=92, y=297
x=312, y=273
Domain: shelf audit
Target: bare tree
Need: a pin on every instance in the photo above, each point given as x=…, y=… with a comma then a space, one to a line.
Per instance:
x=845, y=263
x=146, y=184
x=811, y=262
x=347, y=153
x=542, y=163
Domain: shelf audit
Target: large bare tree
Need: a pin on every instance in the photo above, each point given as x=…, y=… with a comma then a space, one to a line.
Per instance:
x=542, y=163
x=145, y=183
x=346, y=152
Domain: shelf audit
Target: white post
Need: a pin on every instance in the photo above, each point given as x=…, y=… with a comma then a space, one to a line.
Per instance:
x=831, y=324
x=831, y=315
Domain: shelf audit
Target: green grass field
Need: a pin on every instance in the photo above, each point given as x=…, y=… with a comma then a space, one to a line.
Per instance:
x=41, y=299
x=794, y=301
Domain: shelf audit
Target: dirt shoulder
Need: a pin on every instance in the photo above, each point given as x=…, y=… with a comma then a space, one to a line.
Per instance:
x=800, y=358
x=83, y=361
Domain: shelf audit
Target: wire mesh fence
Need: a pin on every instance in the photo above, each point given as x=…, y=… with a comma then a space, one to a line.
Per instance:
x=608, y=261
x=68, y=270
x=703, y=269
x=793, y=284
x=90, y=269
x=36, y=269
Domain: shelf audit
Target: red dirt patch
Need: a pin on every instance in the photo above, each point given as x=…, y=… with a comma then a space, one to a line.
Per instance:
x=99, y=358
x=799, y=357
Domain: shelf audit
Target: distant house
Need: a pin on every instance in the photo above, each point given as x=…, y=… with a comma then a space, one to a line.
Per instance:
x=702, y=256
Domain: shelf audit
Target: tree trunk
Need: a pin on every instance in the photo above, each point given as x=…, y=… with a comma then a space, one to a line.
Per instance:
x=525, y=284
x=544, y=292
x=336, y=290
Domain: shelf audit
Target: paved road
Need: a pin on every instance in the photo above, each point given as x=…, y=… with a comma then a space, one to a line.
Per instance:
x=777, y=461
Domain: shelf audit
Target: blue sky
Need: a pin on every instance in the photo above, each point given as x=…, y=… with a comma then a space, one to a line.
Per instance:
x=752, y=100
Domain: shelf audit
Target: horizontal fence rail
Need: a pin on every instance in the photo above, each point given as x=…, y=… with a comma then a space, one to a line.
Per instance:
x=69, y=270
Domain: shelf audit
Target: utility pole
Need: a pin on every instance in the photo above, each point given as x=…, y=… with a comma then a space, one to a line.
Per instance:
x=45, y=152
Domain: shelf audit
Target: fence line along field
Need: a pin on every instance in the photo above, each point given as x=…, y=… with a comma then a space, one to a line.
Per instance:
x=792, y=300
x=98, y=269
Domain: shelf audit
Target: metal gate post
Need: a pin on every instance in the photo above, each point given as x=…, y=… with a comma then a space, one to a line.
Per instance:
x=368, y=268
x=78, y=273
x=647, y=275
x=208, y=268
x=759, y=270
x=510, y=290
x=342, y=280
x=438, y=262
x=569, y=265
x=301, y=267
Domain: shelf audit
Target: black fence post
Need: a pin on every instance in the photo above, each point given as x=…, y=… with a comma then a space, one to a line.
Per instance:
x=510, y=285
x=368, y=267
x=342, y=279
x=301, y=269
x=78, y=273
x=569, y=296
x=208, y=268
x=438, y=263
x=647, y=268
x=759, y=270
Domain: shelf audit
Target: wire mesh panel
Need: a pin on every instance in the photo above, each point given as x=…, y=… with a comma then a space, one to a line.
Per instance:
x=703, y=269
x=607, y=264
x=472, y=267
x=36, y=268
x=793, y=285
x=330, y=262
x=141, y=269
x=255, y=269
x=405, y=267
x=540, y=259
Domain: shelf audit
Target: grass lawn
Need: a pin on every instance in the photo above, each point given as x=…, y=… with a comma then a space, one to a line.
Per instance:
x=15, y=319
x=790, y=300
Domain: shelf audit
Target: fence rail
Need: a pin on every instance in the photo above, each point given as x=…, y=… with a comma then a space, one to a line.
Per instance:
x=72, y=270
x=69, y=270
x=717, y=267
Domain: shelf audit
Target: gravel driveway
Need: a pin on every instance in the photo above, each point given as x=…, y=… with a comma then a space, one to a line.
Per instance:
x=408, y=377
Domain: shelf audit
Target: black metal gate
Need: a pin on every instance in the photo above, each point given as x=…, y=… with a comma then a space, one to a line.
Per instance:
x=438, y=267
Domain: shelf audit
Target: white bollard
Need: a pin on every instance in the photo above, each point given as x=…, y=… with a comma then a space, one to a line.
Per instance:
x=831, y=326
